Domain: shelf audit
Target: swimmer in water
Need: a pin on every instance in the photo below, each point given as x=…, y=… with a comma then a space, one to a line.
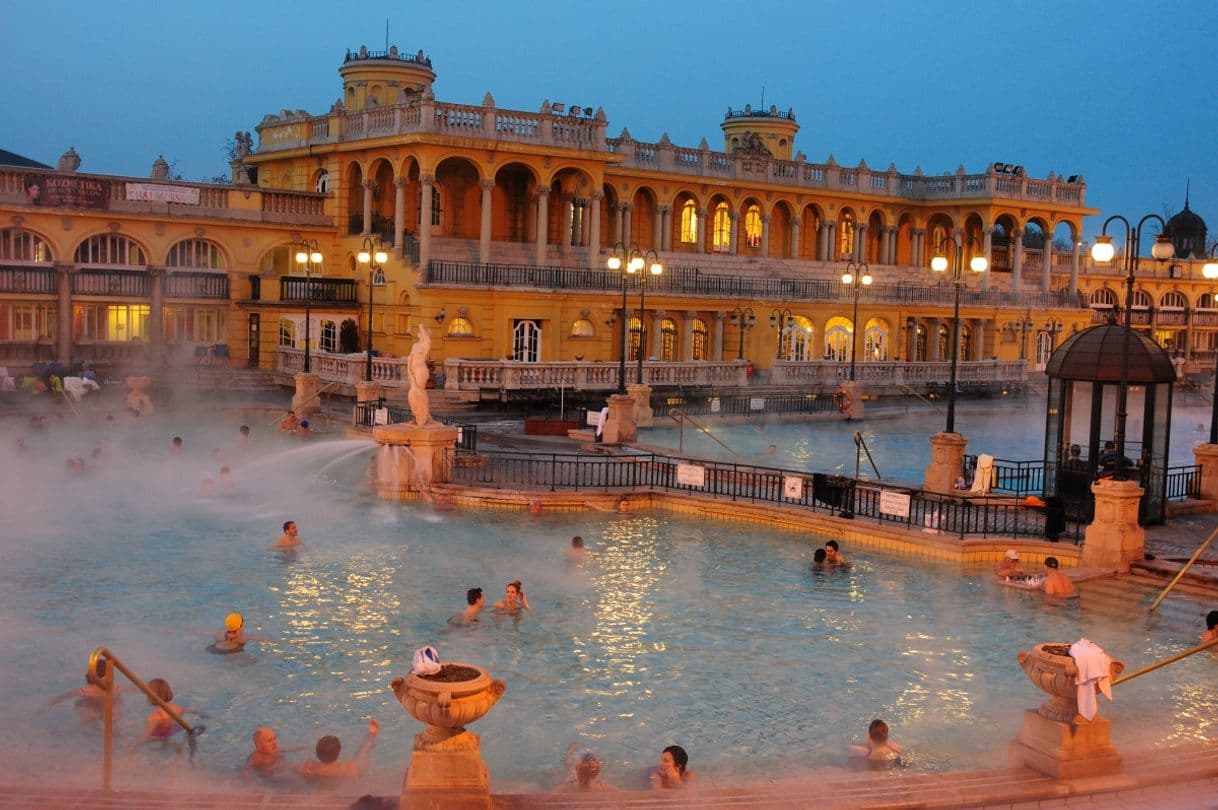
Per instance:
x=327, y=766
x=289, y=539
x=90, y=698
x=476, y=600
x=576, y=553
x=267, y=759
x=233, y=639
x=878, y=750
x=1211, y=627
x=514, y=600
x=672, y=773
x=160, y=725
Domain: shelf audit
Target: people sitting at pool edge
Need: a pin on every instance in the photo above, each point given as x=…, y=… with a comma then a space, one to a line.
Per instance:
x=328, y=766
x=1009, y=565
x=1056, y=583
x=673, y=772
x=877, y=748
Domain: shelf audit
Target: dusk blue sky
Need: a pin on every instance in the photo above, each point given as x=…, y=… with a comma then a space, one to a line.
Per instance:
x=1120, y=92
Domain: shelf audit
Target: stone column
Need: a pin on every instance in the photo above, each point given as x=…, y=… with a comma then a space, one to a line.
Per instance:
x=1114, y=539
x=702, y=246
x=657, y=335
x=687, y=349
x=733, y=219
x=1046, y=256
x=717, y=348
x=830, y=242
x=63, y=313
x=892, y=245
x=932, y=338
x=822, y=240
x=1206, y=456
x=946, y=462
x=1017, y=261
x=484, y=225
x=425, y=183
x=156, y=315
x=765, y=235
x=369, y=186
x=920, y=248
x=618, y=208
x=399, y=214
x=860, y=242
x=568, y=233
x=1074, y=262
x=594, y=231
x=793, y=248
x=627, y=213
x=657, y=225
x=979, y=339
x=989, y=257
x=543, y=223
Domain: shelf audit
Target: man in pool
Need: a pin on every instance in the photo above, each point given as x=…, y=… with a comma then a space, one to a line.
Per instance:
x=475, y=601
x=327, y=765
x=1009, y=566
x=288, y=539
x=575, y=554
x=1056, y=583
x=832, y=557
x=819, y=558
x=1211, y=627
x=266, y=760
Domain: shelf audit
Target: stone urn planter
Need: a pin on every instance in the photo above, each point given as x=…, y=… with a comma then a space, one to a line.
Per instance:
x=446, y=768
x=1055, y=739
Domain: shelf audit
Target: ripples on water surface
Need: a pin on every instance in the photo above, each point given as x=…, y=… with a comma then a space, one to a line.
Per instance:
x=714, y=635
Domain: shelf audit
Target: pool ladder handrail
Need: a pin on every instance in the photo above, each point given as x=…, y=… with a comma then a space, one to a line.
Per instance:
x=1171, y=659
x=1180, y=574
x=681, y=417
x=107, y=685
x=324, y=389
x=908, y=390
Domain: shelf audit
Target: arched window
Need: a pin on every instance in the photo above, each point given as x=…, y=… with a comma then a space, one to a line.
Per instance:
x=20, y=245
x=875, y=341
x=1207, y=300
x=1103, y=298
x=110, y=248
x=966, y=343
x=700, y=340
x=721, y=238
x=945, y=341
x=329, y=336
x=278, y=261
x=668, y=339
x=689, y=223
x=837, y=339
x=797, y=339
x=582, y=328
x=1044, y=349
x=1141, y=299
x=322, y=185
x=287, y=332
x=752, y=226
x=460, y=326
x=634, y=330
x=845, y=242
x=526, y=342
x=1173, y=299
x=196, y=253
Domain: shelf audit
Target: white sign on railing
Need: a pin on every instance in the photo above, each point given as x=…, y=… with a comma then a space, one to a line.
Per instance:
x=756, y=404
x=152, y=192
x=691, y=475
x=793, y=487
x=894, y=503
x=714, y=405
x=380, y=416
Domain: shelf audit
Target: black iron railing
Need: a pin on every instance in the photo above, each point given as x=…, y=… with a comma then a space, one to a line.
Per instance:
x=702, y=404
x=1184, y=482
x=328, y=290
x=17, y=279
x=186, y=284
x=365, y=417
x=739, y=482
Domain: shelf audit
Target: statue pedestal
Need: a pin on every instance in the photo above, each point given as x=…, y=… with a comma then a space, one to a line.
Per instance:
x=644, y=417
x=1114, y=539
x=447, y=780
x=853, y=401
x=946, y=462
x=412, y=458
x=367, y=391
x=1206, y=455
x=305, y=401
x=1072, y=750
x=620, y=426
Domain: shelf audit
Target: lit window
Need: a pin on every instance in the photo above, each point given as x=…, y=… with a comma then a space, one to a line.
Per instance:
x=668, y=339
x=20, y=245
x=722, y=236
x=752, y=226
x=846, y=236
x=582, y=328
x=700, y=340
x=196, y=253
x=689, y=223
x=460, y=327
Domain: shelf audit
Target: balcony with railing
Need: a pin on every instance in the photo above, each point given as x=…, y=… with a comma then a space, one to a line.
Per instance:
x=196, y=285
x=112, y=282
x=317, y=290
x=27, y=280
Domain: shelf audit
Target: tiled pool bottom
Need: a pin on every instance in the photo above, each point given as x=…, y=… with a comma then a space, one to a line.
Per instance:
x=714, y=635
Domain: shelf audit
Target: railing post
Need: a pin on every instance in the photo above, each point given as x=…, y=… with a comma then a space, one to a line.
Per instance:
x=553, y=471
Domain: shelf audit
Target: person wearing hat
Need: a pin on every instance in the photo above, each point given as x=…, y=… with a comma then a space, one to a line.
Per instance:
x=234, y=638
x=1009, y=566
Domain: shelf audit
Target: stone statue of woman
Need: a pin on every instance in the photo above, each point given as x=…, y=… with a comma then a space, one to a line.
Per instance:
x=416, y=367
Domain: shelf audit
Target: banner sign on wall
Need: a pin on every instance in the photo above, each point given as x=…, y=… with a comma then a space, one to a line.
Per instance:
x=67, y=190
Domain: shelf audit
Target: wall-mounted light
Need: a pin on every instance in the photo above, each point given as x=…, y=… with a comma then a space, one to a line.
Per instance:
x=441, y=315
x=611, y=320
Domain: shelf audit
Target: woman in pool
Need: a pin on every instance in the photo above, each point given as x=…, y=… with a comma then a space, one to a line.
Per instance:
x=514, y=600
x=90, y=698
x=878, y=749
x=673, y=772
x=160, y=725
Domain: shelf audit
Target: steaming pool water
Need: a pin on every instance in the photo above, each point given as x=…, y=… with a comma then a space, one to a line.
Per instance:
x=716, y=636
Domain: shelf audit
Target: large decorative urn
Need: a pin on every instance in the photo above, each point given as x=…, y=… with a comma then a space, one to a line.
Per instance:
x=1055, y=739
x=446, y=768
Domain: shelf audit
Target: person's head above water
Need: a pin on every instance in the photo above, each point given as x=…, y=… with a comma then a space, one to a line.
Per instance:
x=265, y=741
x=160, y=688
x=328, y=748
x=473, y=595
x=577, y=542
x=679, y=758
x=233, y=623
x=1051, y=562
x=877, y=732
x=833, y=545
x=587, y=769
x=1211, y=621
x=819, y=556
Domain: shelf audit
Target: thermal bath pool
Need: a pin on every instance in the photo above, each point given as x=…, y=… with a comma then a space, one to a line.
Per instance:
x=717, y=636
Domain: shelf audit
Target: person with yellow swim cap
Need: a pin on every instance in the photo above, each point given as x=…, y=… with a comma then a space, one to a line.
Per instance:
x=234, y=638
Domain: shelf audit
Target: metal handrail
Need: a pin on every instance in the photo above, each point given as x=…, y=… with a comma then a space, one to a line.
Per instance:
x=1171, y=659
x=681, y=417
x=1180, y=575
x=324, y=389
x=107, y=685
x=905, y=389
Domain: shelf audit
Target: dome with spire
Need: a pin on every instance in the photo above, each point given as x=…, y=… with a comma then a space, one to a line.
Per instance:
x=1187, y=233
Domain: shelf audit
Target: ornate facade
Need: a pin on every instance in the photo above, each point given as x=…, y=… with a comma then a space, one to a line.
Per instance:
x=499, y=224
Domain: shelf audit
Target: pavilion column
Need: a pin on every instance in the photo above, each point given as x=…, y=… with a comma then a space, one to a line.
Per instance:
x=369, y=186
x=1074, y=264
x=594, y=230
x=979, y=339
x=1017, y=262
x=920, y=248
x=657, y=234
x=567, y=233
x=987, y=251
x=765, y=235
x=626, y=210
x=484, y=227
x=892, y=245
x=860, y=243
x=583, y=234
x=1046, y=256
x=657, y=335
x=733, y=219
x=827, y=249
x=932, y=338
x=667, y=227
x=425, y=189
x=687, y=340
x=156, y=313
x=63, y=313
x=793, y=248
x=543, y=222
x=717, y=346
x=702, y=247
x=399, y=214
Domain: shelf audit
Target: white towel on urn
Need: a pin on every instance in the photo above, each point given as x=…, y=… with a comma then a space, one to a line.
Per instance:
x=1094, y=669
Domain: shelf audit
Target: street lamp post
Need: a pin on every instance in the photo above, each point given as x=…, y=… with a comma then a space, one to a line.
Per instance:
x=744, y=319
x=1103, y=252
x=652, y=262
x=780, y=319
x=1210, y=271
x=979, y=263
x=1023, y=326
x=624, y=259
x=307, y=256
x=1053, y=327
x=372, y=255
x=856, y=277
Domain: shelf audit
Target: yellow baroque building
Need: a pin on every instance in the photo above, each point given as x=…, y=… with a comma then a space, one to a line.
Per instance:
x=499, y=227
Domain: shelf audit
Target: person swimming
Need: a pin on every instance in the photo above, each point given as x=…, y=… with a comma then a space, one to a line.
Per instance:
x=514, y=600
x=233, y=638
